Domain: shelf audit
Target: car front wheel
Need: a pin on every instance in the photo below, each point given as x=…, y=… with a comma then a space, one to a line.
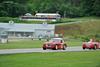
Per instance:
x=64, y=47
x=44, y=48
x=83, y=48
x=94, y=47
x=56, y=47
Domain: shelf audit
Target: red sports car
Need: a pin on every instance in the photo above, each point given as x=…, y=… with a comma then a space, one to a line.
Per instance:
x=55, y=43
x=91, y=45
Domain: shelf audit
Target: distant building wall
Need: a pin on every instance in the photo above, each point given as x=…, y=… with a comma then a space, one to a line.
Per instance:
x=28, y=30
x=44, y=33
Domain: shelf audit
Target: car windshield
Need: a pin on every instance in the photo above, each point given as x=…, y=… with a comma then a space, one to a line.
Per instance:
x=55, y=40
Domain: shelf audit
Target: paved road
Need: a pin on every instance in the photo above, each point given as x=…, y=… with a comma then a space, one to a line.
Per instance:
x=13, y=51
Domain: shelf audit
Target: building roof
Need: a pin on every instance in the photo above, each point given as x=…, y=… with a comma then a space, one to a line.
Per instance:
x=25, y=27
x=28, y=14
x=47, y=14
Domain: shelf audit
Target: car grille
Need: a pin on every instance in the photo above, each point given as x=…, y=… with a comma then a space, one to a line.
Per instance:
x=48, y=44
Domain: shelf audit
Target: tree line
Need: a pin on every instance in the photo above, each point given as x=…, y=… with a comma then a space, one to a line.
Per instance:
x=67, y=8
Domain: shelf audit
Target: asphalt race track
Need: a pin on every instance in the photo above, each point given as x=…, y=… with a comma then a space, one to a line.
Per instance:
x=68, y=49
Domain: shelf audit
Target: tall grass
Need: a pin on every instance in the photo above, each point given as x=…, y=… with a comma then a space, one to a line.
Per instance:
x=89, y=28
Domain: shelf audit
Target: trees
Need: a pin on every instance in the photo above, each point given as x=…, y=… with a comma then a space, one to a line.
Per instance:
x=9, y=8
x=67, y=8
x=87, y=7
x=96, y=8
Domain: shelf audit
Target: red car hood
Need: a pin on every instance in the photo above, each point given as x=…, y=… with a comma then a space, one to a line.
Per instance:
x=90, y=43
x=51, y=43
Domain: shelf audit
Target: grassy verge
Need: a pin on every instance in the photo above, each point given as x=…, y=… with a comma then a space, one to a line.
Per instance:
x=86, y=29
x=17, y=20
x=65, y=59
x=62, y=20
x=32, y=44
x=22, y=44
x=74, y=43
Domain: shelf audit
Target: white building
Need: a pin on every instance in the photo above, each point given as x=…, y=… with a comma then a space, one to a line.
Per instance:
x=48, y=15
x=41, y=17
x=16, y=30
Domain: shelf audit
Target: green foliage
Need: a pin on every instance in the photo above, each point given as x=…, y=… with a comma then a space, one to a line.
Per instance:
x=5, y=19
x=17, y=20
x=67, y=8
x=12, y=9
x=87, y=7
x=96, y=8
x=85, y=38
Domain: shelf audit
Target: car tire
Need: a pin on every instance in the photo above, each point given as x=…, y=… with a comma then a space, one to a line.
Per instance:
x=83, y=48
x=95, y=47
x=64, y=47
x=89, y=48
x=56, y=47
x=44, y=48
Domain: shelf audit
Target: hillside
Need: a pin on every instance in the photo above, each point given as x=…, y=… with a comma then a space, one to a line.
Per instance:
x=90, y=28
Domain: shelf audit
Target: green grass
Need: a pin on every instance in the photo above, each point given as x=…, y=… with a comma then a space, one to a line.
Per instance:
x=16, y=20
x=74, y=43
x=80, y=19
x=65, y=59
x=63, y=20
x=32, y=44
x=22, y=44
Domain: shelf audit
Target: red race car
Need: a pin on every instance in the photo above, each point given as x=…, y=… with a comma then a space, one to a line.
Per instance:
x=55, y=43
x=91, y=45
